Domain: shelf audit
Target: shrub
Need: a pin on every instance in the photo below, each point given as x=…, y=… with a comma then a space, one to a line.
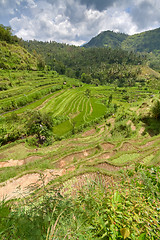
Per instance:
x=155, y=109
x=121, y=128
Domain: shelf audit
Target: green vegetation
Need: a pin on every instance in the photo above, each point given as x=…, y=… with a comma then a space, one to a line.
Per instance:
x=155, y=110
x=15, y=57
x=147, y=43
x=6, y=35
x=142, y=42
x=92, y=65
x=79, y=157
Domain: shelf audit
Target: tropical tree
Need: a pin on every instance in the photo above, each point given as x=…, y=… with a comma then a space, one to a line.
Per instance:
x=40, y=125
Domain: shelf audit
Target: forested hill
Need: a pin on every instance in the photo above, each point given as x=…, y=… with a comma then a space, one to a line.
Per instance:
x=107, y=39
x=148, y=41
x=101, y=65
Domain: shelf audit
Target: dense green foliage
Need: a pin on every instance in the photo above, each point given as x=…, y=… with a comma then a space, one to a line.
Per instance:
x=40, y=125
x=155, y=110
x=96, y=63
x=148, y=43
x=39, y=108
x=72, y=106
x=127, y=209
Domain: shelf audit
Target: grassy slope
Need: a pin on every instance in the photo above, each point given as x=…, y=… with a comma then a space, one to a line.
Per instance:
x=15, y=57
x=109, y=149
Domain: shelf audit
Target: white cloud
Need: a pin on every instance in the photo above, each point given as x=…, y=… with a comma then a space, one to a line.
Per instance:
x=31, y=4
x=59, y=23
x=76, y=21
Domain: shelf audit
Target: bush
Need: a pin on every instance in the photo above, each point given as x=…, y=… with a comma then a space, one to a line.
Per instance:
x=155, y=109
x=121, y=128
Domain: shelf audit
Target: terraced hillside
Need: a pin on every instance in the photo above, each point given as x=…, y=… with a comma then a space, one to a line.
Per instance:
x=104, y=142
x=114, y=115
x=90, y=152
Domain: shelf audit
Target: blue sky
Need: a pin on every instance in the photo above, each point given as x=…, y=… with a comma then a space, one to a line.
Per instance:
x=77, y=21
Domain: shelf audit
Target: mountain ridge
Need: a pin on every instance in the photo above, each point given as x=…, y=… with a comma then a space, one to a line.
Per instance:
x=146, y=41
x=108, y=38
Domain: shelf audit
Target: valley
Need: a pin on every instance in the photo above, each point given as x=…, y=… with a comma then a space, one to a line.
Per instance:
x=79, y=144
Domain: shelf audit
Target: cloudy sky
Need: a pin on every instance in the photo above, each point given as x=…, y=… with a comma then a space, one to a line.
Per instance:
x=77, y=21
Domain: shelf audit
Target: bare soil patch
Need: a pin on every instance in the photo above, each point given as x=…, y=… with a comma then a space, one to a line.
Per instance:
x=89, y=132
x=20, y=187
x=105, y=155
x=73, y=157
x=107, y=146
x=13, y=163
x=127, y=147
x=108, y=167
x=70, y=169
x=148, y=144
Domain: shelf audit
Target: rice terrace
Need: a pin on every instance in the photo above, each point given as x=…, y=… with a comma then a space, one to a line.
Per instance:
x=79, y=143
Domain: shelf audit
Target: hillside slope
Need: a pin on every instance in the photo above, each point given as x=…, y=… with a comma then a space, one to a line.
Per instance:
x=15, y=57
x=143, y=42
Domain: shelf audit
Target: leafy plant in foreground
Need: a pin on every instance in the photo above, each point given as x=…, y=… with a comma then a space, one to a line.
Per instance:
x=127, y=209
